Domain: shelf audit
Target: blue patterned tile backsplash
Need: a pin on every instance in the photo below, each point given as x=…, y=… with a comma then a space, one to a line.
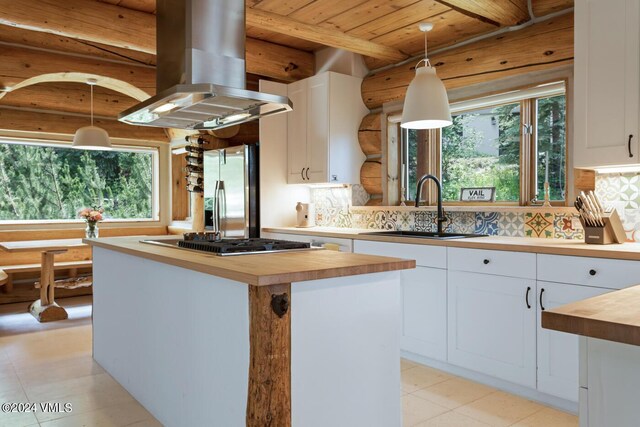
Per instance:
x=487, y=223
x=338, y=207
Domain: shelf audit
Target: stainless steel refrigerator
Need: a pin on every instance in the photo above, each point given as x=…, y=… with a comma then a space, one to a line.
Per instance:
x=231, y=197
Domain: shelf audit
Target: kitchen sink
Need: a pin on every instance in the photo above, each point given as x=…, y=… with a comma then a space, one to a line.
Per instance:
x=425, y=234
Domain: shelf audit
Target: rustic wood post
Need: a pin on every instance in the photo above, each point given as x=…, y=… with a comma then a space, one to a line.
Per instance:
x=46, y=272
x=45, y=309
x=269, y=396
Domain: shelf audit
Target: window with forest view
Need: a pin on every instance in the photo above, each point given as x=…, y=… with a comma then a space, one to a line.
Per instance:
x=482, y=149
x=489, y=143
x=41, y=182
x=551, y=145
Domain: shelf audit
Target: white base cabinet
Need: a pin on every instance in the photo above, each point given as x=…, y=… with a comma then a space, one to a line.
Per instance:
x=492, y=325
x=558, y=351
x=480, y=310
x=611, y=377
x=424, y=312
x=424, y=296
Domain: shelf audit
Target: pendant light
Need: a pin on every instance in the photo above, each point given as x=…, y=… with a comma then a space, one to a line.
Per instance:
x=426, y=105
x=91, y=137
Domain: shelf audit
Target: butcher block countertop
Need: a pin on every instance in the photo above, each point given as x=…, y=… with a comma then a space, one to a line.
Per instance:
x=261, y=269
x=626, y=251
x=614, y=317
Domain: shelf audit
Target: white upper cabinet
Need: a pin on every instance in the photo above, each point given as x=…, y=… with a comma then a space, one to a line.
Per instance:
x=297, y=131
x=322, y=131
x=607, y=83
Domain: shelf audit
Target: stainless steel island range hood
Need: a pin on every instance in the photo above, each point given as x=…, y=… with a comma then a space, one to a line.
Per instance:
x=201, y=70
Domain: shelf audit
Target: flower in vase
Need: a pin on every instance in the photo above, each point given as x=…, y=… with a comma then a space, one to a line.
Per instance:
x=92, y=215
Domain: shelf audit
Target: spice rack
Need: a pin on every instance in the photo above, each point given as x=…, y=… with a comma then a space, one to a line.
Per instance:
x=195, y=164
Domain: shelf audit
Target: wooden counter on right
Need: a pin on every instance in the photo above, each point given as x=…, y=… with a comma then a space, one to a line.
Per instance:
x=614, y=316
x=609, y=329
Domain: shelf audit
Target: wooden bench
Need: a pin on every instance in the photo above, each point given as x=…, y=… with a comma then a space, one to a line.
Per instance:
x=11, y=270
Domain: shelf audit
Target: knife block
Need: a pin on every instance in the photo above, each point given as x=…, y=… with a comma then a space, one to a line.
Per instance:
x=612, y=232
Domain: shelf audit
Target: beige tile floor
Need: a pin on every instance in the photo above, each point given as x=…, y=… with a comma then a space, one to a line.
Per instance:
x=52, y=363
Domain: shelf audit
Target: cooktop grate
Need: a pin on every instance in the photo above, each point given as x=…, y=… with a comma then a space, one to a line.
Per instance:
x=241, y=245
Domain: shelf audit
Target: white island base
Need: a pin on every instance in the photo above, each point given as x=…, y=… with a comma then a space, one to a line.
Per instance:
x=609, y=381
x=178, y=341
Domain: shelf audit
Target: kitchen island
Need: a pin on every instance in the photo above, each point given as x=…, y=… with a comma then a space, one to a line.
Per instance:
x=609, y=330
x=306, y=338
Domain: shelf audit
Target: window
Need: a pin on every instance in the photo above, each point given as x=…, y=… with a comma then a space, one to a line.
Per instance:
x=551, y=145
x=482, y=149
x=53, y=182
x=510, y=141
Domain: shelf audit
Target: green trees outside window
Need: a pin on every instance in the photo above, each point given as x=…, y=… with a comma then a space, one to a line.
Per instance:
x=551, y=139
x=485, y=148
x=53, y=183
x=482, y=149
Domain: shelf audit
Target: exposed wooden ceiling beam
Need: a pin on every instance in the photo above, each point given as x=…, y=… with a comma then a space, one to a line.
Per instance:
x=497, y=12
x=326, y=36
x=545, y=7
x=58, y=43
x=277, y=61
x=84, y=20
x=36, y=121
x=104, y=24
x=481, y=61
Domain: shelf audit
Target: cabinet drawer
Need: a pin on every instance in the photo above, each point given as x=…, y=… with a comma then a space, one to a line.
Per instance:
x=425, y=255
x=600, y=272
x=501, y=263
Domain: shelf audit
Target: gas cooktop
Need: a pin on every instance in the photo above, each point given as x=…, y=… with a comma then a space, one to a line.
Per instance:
x=226, y=247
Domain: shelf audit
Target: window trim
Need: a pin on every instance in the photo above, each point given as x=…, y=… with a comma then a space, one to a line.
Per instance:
x=527, y=144
x=151, y=147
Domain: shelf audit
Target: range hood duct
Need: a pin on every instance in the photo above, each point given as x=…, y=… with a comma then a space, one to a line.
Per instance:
x=200, y=81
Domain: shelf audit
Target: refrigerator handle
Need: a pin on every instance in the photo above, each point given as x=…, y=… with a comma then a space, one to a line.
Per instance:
x=221, y=205
x=216, y=207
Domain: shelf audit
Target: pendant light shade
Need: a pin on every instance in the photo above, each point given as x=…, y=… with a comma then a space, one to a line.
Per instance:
x=91, y=137
x=426, y=104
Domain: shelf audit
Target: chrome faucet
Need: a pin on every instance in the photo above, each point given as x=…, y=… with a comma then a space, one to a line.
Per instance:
x=441, y=218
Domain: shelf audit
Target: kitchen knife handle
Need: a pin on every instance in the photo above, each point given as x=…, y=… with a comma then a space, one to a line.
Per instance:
x=526, y=297
x=629, y=144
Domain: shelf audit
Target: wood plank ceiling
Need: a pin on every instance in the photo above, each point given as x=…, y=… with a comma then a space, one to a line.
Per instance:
x=387, y=29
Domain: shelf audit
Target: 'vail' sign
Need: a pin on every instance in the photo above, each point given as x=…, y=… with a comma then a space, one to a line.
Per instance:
x=478, y=194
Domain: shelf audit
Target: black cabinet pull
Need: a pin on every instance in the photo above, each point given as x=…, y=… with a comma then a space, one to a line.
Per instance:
x=629, y=144
x=592, y=272
x=541, y=292
x=302, y=173
x=486, y=261
x=307, y=173
x=526, y=297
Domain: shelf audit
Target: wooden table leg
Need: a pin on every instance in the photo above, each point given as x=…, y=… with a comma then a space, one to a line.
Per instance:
x=269, y=398
x=45, y=309
x=46, y=271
